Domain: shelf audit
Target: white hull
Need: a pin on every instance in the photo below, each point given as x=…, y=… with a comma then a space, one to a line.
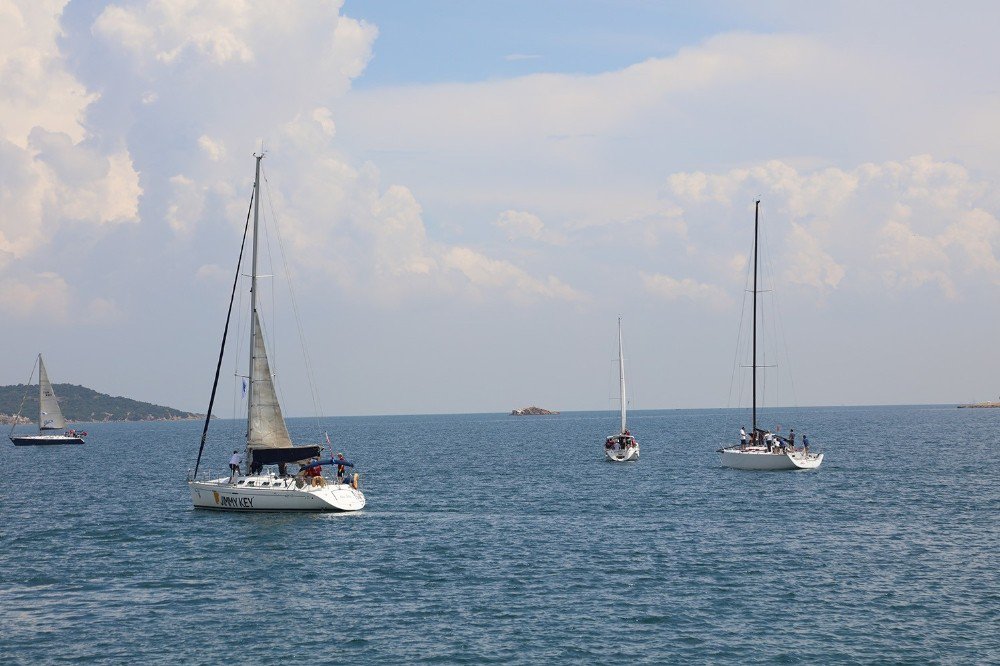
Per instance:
x=758, y=458
x=272, y=493
x=625, y=449
x=628, y=455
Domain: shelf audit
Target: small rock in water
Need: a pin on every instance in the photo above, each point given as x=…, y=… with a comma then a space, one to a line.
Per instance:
x=531, y=411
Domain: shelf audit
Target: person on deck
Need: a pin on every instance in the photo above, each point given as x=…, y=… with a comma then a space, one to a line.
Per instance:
x=314, y=471
x=340, y=468
x=791, y=439
x=805, y=444
x=768, y=438
x=743, y=437
x=234, y=465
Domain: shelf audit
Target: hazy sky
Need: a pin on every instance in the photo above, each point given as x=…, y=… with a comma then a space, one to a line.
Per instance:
x=470, y=193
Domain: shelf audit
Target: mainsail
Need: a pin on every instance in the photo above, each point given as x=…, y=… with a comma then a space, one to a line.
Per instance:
x=50, y=416
x=266, y=424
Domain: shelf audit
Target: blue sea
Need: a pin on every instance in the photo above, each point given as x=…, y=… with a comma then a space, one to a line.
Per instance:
x=491, y=538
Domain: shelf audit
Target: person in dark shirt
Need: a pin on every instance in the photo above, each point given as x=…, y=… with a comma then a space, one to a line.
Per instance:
x=341, y=469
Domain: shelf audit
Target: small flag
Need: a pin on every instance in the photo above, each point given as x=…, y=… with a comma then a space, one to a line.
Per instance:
x=244, y=387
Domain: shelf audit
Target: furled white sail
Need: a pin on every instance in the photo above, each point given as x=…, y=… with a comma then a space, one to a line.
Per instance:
x=50, y=416
x=267, y=425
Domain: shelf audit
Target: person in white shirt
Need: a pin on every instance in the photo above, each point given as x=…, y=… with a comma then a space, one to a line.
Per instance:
x=234, y=464
x=743, y=437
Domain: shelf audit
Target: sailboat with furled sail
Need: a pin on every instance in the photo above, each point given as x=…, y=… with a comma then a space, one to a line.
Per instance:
x=622, y=447
x=763, y=449
x=50, y=416
x=268, y=443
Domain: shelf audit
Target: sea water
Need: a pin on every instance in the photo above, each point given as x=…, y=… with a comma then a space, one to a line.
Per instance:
x=492, y=538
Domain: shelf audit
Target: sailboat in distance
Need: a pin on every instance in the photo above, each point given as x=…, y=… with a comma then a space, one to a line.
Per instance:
x=763, y=449
x=50, y=416
x=622, y=447
x=267, y=440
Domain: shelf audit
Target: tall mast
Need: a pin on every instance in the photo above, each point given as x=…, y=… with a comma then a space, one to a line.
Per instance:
x=756, y=212
x=41, y=391
x=253, y=293
x=621, y=371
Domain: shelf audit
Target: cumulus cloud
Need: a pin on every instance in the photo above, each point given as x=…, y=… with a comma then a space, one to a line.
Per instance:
x=212, y=273
x=339, y=218
x=186, y=205
x=898, y=223
x=484, y=273
x=45, y=295
x=521, y=224
x=672, y=289
x=54, y=174
x=213, y=149
x=37, y=89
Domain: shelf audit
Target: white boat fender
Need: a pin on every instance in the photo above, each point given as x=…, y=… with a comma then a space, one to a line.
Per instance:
x=354, y=481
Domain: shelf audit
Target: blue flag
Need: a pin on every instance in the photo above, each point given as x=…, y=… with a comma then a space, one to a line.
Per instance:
x=244, y=387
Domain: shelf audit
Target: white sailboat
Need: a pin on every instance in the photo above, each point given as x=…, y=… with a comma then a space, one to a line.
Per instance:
x=762, y=449
x=267, y=439
x=621, y=447
x=50, y=417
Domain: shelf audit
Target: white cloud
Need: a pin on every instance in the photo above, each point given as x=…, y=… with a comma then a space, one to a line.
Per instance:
x=689, y=289
x=53, y=173
x=213, y=149
x=897, y=224
x=165, y=30
x=212, y=273
x=186, y=205
x=521, y=224
x=338, y=218
x=808, y=263
x=485, y=273
x=54, y=182
x=40, y=295
x=37, y=90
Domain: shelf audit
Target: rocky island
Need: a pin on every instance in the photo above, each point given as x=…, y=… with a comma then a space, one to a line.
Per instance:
x=981, y=404
x=531, y=411
x=81, y=404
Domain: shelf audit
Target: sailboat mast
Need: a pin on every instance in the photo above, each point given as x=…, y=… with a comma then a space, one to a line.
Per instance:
x=41, y=392
x=253, y=295
x=621, y=371
x=756, y=213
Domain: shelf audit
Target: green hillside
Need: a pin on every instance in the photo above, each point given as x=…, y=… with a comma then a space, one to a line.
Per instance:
x=79, y=403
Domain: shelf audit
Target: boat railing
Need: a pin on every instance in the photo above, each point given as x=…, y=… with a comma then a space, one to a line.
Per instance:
x=204, y=474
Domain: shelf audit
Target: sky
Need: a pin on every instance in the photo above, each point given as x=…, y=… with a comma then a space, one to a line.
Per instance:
x=464, y=197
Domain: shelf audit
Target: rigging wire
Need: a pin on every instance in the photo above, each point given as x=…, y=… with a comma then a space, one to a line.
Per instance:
x=776, y=333
x=740, y=346
x=310, y=375
x=25, y=396
x=222, y=349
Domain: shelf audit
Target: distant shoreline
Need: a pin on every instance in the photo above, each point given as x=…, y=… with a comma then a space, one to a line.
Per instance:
x=980, y=405
x=10, y=419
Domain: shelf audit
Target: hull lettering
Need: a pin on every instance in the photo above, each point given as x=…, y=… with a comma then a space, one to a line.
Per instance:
x=236, y=502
